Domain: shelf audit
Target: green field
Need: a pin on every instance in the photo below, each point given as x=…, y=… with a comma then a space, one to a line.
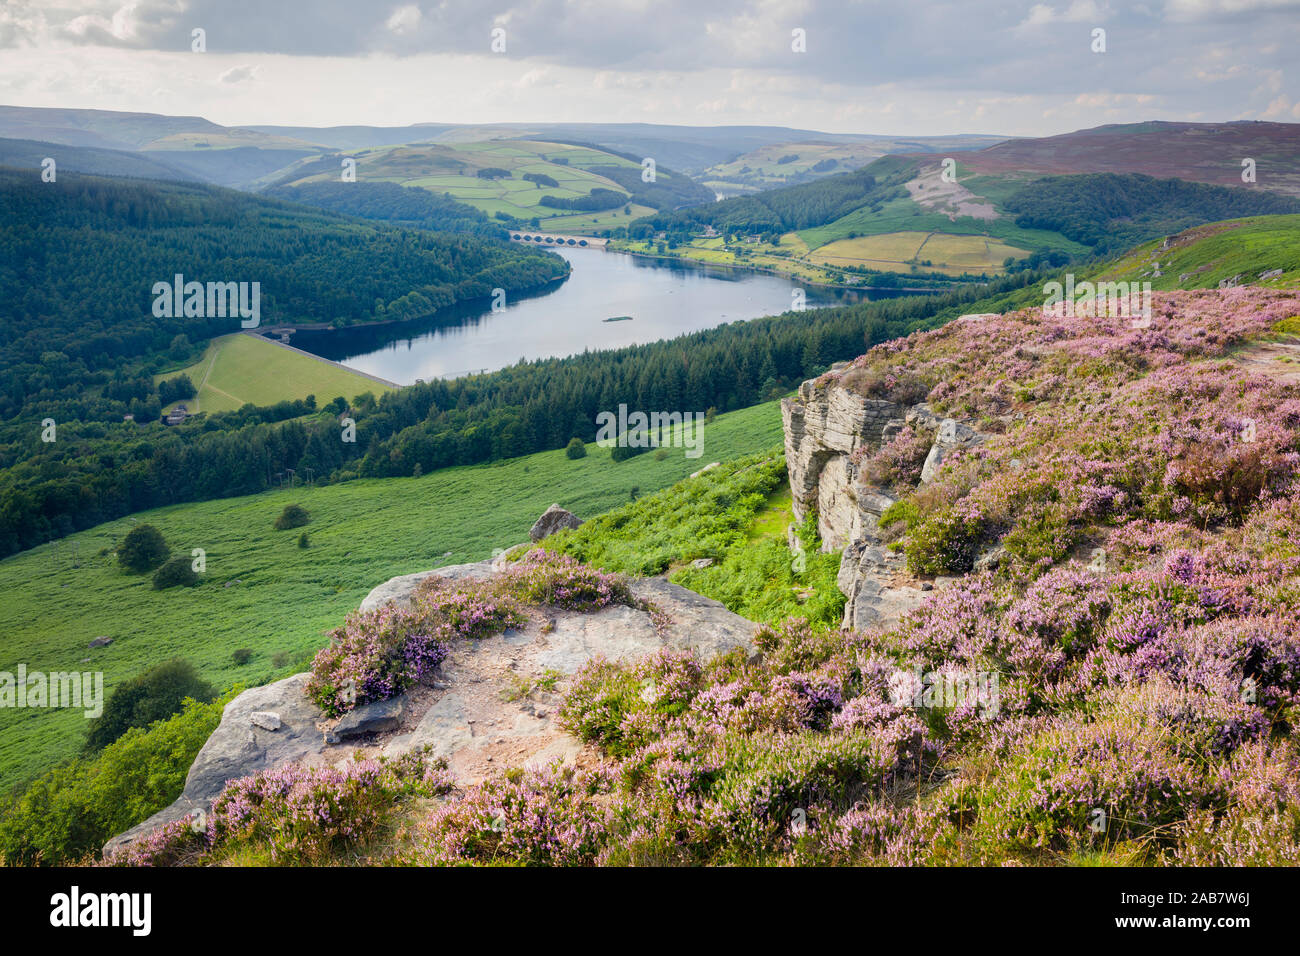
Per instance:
x=362, y=533
x=899, y=251
x=236, y=369
x=904, y=215
x=453, y=169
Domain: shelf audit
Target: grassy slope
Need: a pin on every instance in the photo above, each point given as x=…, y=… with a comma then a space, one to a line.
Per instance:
x=453, y=170
x=362, y=533
x=1209, y=254
x=895, y=223
x=239, y=368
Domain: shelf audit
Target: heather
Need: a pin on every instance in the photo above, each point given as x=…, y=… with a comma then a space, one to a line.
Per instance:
x=292, y=815
x=381, y=653
x=1122, y=684
x=1139, y=636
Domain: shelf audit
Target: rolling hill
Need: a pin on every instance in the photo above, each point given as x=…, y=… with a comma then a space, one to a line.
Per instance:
x=518, y=180
x=926, y=216
x=791, y=163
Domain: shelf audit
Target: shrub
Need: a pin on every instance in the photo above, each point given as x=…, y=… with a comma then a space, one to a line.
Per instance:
x=575, y=449
x=303, y=540
x=943, y=543
x=547, y=816
x=548, y=578
x=899, y=462
x=177, y=571
x=153, y=695
x=374, y=656
x=300, y=815
x=242, y=656
x=143, y=549
x=70, y=811
x=293, y=516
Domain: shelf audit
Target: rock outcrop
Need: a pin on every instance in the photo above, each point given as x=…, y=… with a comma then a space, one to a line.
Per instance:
x=952, y=434
x=553, y=519
x=824, y=424
x=240, y=746
x=493, y=704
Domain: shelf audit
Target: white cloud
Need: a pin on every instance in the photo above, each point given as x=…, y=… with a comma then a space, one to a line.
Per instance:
x=1189, y=10
x=404, y=19
x=238, y=74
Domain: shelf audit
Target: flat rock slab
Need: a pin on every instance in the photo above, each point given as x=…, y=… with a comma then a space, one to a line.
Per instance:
x=498, y=709
x=492, y=707
x=398, y=590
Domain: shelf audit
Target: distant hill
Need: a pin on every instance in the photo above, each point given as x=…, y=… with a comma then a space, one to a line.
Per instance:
x=705, y=153
x=1199, y=152
x=105, y=128
x=565, y=187
x=29, y=154
x=790, y=163
x=1025, y=203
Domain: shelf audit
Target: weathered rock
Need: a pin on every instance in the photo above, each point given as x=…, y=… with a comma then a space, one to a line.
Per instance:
x=952, y=434
x=266, y=719
x=921, y=416
x=702, y=563
x=373, y=718
x=101, y=642
x=553, y=519
x=709, y=467
x=991, y=558
x=823, y=426
x=865, y=576
x=238, y=748
x=1270, y=274
x=471, y=725
x=472, y=716
x=399, y=590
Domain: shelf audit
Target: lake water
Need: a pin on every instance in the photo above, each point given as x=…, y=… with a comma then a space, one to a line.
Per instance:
x=664, y=300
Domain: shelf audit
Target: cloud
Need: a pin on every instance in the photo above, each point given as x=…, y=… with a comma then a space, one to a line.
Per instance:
x=404, y=19
x=623, y=60
x=1191, y=10
x=238, y=74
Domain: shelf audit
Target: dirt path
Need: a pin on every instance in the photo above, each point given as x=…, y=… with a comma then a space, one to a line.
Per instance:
x=1277, y=360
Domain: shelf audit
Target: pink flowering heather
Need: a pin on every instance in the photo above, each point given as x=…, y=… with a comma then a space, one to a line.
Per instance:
x=300, y=814
x=548, y=816
x=550, y=578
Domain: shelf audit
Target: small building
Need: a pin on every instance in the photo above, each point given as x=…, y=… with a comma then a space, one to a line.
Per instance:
x=177, y=415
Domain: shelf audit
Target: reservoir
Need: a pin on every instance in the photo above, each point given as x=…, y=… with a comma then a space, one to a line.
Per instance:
x=650, y=299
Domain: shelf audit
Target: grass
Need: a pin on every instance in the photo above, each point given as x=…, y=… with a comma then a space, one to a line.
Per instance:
x=904, y=215
x=453, y=169
x=1218, y=251
x=240, y=368
x=898, y=251
x=362, y=533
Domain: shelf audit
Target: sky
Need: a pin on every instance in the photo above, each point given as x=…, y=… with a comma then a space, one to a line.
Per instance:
x=916, y=67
